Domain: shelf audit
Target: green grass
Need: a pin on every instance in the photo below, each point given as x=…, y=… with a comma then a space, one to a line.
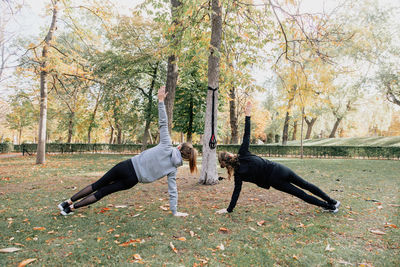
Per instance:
x=350, y=141
x=293, y=233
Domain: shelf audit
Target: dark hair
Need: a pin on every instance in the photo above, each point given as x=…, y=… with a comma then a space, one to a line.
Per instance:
x=189, y=153
x=231, y=162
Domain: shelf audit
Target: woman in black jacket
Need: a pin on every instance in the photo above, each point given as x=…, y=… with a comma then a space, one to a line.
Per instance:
x=248, y=167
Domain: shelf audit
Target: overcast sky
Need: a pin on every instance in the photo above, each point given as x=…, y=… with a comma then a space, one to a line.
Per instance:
x=33, y=18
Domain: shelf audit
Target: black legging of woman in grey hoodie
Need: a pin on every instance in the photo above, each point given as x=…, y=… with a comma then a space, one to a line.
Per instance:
x=149, y=166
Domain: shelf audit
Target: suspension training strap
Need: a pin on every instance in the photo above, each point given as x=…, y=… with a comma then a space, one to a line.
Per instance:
x=213, y=141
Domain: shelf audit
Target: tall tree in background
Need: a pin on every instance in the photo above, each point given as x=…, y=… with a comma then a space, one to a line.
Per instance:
x=172, y=69
x=44, y=65
x=21, y=115
x=209, y=166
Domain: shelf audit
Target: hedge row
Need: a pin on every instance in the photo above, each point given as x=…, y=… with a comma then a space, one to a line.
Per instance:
x=262, y=150
x=6, y=147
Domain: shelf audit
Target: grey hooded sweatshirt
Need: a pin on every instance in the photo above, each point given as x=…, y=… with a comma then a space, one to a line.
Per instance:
x=161, y=160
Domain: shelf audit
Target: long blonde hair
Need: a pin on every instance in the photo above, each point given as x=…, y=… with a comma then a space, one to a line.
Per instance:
x=189, y=153
x=228, y=161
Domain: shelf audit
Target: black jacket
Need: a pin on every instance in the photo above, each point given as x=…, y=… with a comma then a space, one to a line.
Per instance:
x=251, y=168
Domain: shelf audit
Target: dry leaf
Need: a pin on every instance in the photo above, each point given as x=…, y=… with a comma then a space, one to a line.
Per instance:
x=261, y=223
x=26, y=262
x=9, y=250
x=377, y=232
x=221, y=247
x=127, y=243
x=223, y=230
x=163, y=208
x=173, y=247
x=191, y=233
x=137, y=257
x=39, y=228
x=344, y=262
x=121, y=206
x=329, y=248
x=110, y=230
x=252, y=229
x=391, y=225
x=182, y=238
x=295, y=257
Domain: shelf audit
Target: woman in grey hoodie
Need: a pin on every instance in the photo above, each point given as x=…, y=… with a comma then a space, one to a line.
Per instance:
x=149, y=166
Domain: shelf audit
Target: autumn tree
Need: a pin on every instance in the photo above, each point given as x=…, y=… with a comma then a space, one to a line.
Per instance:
x=209, y=167
x=21, y=113
x=44, y=70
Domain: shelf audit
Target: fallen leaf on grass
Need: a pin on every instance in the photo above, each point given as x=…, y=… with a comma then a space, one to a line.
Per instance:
x=221, y=247
x=223, y=230
x=9, y=250
x=137, y=257
x=121, y=206
x=191, y=233
x=182, y=238
x=295, y=257
x=103, y=210
x=252, y=229
x=377, y=232
x=129, y=242
x=329, y=248
x=110, y=230
x=173, y=247
x=39, y=228
x=163, y=208
x=391, y=225
x=344, y=262
x=261, y=223
x=26, y=262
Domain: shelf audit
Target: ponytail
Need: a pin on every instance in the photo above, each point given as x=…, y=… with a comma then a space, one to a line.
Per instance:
x=189, y=153
x=192, y=160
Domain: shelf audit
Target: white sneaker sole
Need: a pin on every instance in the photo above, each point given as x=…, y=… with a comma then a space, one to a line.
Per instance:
x=66, y=214
x=60, y=207
x=330, y=211
x=337, y=205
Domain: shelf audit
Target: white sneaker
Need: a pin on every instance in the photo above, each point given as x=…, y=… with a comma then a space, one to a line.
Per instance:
x=337, y=204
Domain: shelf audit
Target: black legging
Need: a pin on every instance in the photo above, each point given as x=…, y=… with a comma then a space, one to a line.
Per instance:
x=120, y=177
x=283, y=178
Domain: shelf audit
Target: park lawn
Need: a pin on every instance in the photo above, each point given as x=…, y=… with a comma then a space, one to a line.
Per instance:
x=267, y=228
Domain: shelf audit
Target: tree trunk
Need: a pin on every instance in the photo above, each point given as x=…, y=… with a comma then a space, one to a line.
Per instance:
x=209, y=166
x=111, y=134
x=335, y=127
x=119, y=134
x=172, y=69
x=41, y=148
x=301, y=133
x=233, y=116
x=190, y=128
x=149, y=108
x=294, y=130
x=310, y=125
x=285, y=129
x=20, y=135
x=285, y=134
x=70, y=126
x=92, y=119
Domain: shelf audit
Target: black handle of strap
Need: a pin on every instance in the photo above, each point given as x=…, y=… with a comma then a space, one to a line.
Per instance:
x=213, y=141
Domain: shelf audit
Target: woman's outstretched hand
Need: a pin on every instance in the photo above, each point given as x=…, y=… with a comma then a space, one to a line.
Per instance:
x=180, y=214
x=247, y=110
x=161, y=94
x=221, y=211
